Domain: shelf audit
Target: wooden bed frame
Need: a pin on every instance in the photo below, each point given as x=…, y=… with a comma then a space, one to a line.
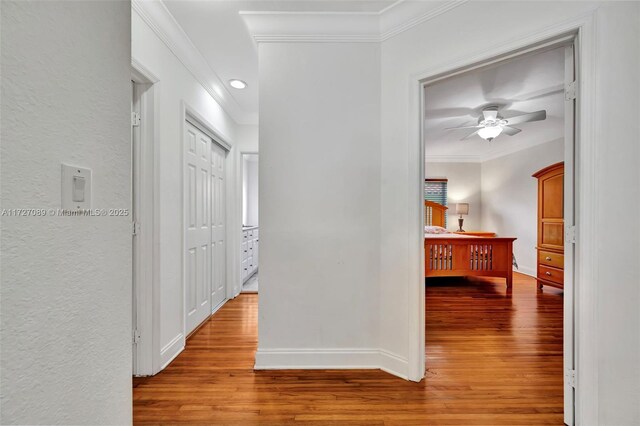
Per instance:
x=446, y=256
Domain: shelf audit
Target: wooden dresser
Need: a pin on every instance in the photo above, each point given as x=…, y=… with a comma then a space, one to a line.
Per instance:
x=551, y=225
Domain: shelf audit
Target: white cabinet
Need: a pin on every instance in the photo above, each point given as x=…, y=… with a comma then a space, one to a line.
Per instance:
x=249, y=247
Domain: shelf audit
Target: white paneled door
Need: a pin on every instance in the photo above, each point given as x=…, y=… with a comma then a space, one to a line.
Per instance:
x=204, y=261
x=218, y=228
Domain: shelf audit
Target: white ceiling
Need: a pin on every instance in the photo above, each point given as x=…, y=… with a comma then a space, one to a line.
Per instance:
x=219, y=33
x=522, y=85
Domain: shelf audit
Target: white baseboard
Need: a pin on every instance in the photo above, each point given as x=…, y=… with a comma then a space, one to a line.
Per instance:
x=171, y=350
x=526, y=270
x=325, y=359
x=394, y=364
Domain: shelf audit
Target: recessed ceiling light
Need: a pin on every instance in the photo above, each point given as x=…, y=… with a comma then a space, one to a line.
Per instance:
x=237, y=84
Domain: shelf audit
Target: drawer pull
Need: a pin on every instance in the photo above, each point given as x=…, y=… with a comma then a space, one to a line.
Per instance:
x=548, y=273
x=547, y=258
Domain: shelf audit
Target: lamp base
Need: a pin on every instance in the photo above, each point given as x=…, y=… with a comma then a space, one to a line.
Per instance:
x=460, y=222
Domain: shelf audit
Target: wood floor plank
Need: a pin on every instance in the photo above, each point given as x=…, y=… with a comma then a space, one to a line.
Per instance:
x=493, y=358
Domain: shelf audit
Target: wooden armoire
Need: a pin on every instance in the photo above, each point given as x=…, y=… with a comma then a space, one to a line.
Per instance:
x=551, y=225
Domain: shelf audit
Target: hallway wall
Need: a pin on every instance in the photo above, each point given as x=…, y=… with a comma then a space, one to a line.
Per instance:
x=611, y=382
x=319, y=198
x=66, y=281
x=176, y=87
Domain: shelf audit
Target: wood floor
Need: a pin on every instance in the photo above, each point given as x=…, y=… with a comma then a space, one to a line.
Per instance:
x=493, y=358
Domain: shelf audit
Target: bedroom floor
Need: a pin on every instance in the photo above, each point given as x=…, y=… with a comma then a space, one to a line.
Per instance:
x=493, y=358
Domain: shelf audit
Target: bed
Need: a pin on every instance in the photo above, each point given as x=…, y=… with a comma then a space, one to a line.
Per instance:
x=454, y=255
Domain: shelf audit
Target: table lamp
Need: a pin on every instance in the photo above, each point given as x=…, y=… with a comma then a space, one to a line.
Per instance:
x=461, y=208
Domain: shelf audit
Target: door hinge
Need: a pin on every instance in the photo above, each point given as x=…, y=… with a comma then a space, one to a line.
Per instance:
x=135, y=228
x=136, y=336
x=570, y=91
x=570, y=377
x=570, y=234
x=135, y=119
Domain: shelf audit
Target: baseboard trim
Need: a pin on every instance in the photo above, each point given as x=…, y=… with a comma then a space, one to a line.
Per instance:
x=331, y=359
x=526, y=271
x=171, y=351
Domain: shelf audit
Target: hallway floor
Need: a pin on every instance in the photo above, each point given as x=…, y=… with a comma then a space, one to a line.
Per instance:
x=493, y=358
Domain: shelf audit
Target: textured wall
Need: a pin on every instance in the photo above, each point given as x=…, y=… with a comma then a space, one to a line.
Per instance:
x=66, y=281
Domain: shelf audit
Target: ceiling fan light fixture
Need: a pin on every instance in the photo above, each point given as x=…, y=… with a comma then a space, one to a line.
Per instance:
x=488, y=133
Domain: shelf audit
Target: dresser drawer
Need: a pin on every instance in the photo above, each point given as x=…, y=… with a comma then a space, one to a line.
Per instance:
x=549, y=258
x=554, y=275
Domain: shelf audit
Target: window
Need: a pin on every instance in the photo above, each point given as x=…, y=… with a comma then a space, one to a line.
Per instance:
x=436, y=190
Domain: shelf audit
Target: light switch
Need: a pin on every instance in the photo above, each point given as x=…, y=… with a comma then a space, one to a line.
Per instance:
x=76, y=187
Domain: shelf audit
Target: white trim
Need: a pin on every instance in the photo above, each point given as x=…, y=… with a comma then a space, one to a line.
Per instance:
x=526, y=270
x=586, y=409
x=342, y=27
x=348, y=358
x=490, y=154
x=171, y=350
x=147, y=265
x=397, y=27
x=315, y=38
x=453, y=159
x=156, y=15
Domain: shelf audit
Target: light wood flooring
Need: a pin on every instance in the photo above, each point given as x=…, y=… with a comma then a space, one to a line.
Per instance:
x=493, y=358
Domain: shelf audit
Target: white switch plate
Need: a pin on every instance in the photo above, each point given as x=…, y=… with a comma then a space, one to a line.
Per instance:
x=68, y=182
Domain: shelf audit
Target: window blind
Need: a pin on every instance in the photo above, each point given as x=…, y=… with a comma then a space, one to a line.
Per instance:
x=436, y=190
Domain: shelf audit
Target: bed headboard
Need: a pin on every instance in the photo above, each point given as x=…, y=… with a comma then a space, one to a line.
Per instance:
x=434, y=214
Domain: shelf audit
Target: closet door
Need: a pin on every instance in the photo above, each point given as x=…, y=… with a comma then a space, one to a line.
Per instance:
x=198, y=253
x=218, y=228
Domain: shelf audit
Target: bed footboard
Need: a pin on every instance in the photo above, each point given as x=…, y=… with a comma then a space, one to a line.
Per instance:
x=469, y=256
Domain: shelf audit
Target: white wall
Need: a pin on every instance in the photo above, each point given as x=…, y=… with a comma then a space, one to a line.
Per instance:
x=319, y=203
x=463, y=186
x=617, y=178
x=463, y=33
x=510, y=198
x=175, y=86
x=66, y=281
x=250, y=190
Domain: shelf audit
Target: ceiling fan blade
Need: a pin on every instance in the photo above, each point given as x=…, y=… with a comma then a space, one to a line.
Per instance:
x=464, y=127
x=490, y=114
x=508, y=130
x=469, y=135
x=525, y=118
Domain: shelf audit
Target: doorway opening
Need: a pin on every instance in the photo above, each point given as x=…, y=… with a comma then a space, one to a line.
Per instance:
x=144, y=205
x=499, y=222
x=250, y=247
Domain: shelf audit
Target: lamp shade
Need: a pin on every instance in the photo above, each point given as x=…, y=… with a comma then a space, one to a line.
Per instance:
x=462, y=208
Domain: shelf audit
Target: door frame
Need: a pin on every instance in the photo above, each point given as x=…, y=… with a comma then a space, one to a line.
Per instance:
x=192, y=116
x=582, y=30
x=240, y=192
x=146, y=268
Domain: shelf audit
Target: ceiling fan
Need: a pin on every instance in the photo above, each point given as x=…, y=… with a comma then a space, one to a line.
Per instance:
x=491, y=125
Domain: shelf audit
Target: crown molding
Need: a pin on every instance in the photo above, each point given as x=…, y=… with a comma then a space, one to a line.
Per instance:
x=342, y=27
x=405, y=15
x=156, y=15
x=514, y=147
x=453, y=159
x=492, y=153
